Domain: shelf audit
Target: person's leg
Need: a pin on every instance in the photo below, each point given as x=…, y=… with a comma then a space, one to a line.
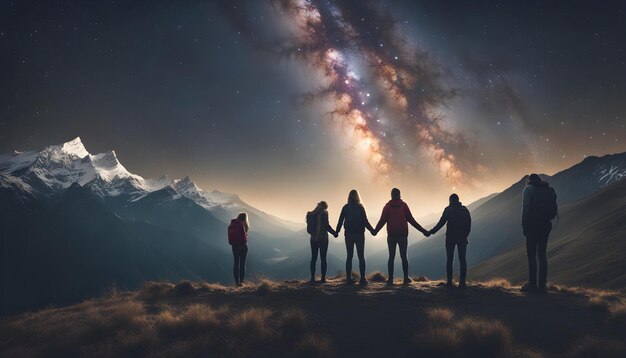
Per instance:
x=449, y=261
x=360, y=252
x=314, y=248
x=542, y=247
x=236, y=258
x=391, y=245
x=349, y=255
x=242, y=264
x=403, y=244
x=531, y=252
x=462, y=250
x=323, y=252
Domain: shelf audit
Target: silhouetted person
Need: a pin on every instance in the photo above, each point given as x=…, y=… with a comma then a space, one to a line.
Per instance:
x=238, y=239
x=396, y=214
x=459, y=225
x=539, y=207
x=318, y=228
x=354, y=219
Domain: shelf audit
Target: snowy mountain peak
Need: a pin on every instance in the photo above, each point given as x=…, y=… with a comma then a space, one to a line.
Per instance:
x=75, y=147
x=185, y=185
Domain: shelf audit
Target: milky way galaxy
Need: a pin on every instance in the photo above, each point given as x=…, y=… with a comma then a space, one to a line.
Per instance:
x=385, y=93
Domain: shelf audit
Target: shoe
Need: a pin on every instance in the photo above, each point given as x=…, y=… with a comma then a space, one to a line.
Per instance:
x=239, y=284
x=542, y=289
x=407, y=281
x=390, y=281
x=448, y=284
x=529, y=288
x=312, y=280
x=323, y=280
x=363, y=282
x=462, y=285
x=349, y=281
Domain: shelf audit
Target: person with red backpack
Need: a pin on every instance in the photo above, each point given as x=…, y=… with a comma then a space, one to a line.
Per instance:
x=397, y=215
x=238, y=239
x=539, y=207
x=459, y=225
x=318, y=227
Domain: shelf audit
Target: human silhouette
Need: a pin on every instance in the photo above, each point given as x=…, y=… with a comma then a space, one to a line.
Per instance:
x=318, y=227
x=459, y=225
x=238, y=239
x=354, y=219
x=539, y=207
x=396, y=215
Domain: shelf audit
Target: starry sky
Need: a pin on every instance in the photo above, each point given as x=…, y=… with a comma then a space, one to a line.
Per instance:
x=287, y=102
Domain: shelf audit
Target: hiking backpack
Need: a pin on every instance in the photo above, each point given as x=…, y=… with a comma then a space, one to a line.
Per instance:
x=311, y=223
x=460, y=220
x=544, y=206
x=236, y=233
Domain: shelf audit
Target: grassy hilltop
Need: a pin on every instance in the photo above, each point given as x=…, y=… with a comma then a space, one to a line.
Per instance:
x=294, y=318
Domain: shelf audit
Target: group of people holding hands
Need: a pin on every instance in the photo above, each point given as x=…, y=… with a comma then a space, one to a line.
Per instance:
x=396, y=215
x=539, y=207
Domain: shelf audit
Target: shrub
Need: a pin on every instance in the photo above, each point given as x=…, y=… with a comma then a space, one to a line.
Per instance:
x=497, y=283
x=378, y=277
x=485, y=338
x=618, y=314
x=251, y=322
x=421, y=279
x=440, y=316
x=598, y=303
x=438, y=342
x=265, y=287
x=155, y=290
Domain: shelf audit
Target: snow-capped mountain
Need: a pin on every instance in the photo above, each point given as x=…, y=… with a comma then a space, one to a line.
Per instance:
x=59, y=166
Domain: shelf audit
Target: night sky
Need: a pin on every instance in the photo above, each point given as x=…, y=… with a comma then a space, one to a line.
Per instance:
x=290, y=102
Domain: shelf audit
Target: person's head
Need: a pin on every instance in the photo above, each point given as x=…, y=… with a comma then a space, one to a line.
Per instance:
x=454, y=199
x=395, y=193
x=243, y=217
x=354, y=197
x=322, y=205
x=534, y=178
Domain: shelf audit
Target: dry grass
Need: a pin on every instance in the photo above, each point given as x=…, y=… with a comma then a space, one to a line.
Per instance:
x=312, y=346
x=598, y=303
x=265, y=287
x=378, y=277
x=421, y=279
x=156, y=290
x=618, y=314
x=496, y=283
x=465, y=338
x=597, y=347
x=251, y=322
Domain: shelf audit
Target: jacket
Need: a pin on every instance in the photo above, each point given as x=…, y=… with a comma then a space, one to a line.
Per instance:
x=453, y=233
x=396, y=214
x=354, y=219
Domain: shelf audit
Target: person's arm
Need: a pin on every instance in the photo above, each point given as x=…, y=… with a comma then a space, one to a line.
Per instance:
x=341, y=219
x=441, y=223
x=327, y=226
x=469, y=227
x=383, y=219
x=411, y=220
x=368, y=226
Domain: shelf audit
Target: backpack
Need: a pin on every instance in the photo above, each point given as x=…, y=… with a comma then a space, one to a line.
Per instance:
x=311, y=223
x=460, y=220
x=236, y=233
x=544, y=206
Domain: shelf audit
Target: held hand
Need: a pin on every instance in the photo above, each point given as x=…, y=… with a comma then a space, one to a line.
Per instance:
x=427, y=233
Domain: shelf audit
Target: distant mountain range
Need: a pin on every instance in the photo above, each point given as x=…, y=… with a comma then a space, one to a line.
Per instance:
x=73, y=224
x=496, y=228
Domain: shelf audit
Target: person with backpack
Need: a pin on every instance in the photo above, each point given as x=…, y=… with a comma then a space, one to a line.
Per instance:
x=397, y=215
x=354, y=220
x=318, y=227
x=539, y=207
x=459, y=225
x=238, y=239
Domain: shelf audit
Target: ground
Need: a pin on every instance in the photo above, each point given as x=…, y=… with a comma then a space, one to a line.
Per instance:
x=332, y=319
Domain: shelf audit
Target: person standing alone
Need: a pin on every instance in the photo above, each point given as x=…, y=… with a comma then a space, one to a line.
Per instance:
x=238, y=239
x=539, y=207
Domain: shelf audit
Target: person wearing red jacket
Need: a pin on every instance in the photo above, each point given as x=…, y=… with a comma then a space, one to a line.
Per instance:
x=397, y=215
